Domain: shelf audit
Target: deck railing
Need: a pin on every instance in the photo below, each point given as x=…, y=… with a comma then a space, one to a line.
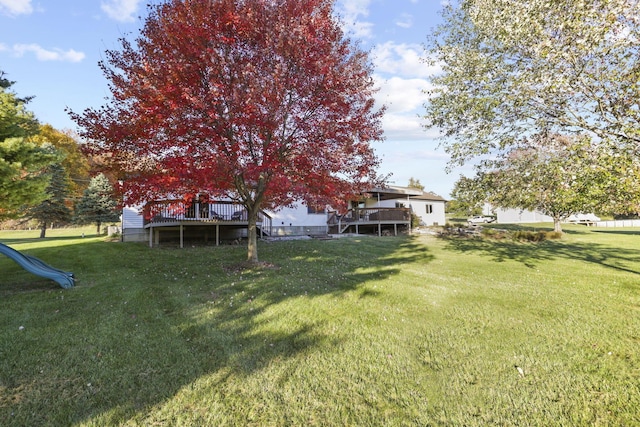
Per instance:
x=371, y=215
x=215, y=212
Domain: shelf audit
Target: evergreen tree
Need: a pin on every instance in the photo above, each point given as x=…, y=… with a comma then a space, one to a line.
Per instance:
x=75, y=163
x=53, y=209
x=15, y=120
x=23, y=165
x=98, y=204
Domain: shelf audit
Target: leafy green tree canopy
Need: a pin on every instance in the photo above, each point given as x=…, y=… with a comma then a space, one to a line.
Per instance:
x=15, y=120
x=23, y=175
x=468, y=196
x=75, y=163
x=553, y=174
x=517, y=68
x=22, y=164
x=415, y=183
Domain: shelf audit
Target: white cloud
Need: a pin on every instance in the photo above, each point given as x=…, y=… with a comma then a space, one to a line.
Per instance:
x=402, y=95
x=351, y=11
x=417, y=152
x=15, y=7
x=407, y=127
x=405, y=21
x=402, y=77
x=402, y=59
x=121, y=10
x=43, y=54
x=402, y=127
x=404, y=99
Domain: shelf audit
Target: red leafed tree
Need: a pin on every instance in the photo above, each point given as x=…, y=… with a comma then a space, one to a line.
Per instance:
x=263, y=101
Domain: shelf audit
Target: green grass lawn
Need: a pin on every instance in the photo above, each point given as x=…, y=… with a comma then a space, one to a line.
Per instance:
x=391, y=331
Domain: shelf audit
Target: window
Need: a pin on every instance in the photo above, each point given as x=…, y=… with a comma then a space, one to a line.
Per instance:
x=312, y=210
x=429, y=209
x=399, y=205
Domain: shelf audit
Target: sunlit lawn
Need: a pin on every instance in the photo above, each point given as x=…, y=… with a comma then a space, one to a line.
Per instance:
x=356, y=331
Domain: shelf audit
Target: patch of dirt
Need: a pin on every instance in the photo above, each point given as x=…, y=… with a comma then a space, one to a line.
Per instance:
x=248, y=265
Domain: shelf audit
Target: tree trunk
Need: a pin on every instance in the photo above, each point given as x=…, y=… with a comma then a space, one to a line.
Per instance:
x=98, y=229
x=43, y=230
x=557, y=226
x=252, y=236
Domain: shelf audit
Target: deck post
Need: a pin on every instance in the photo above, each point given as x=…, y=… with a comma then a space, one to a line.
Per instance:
x=379, y=229
x=217, y=234
x=395, y=229
x=181, y=236
x=151, y=236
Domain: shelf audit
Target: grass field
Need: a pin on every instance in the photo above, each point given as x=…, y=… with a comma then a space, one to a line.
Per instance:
x=391, y=331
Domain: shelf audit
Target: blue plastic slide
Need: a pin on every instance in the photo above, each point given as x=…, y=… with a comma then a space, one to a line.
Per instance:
x=38, y=267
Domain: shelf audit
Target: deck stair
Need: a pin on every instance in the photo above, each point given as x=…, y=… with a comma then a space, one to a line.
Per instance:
x=376, y=219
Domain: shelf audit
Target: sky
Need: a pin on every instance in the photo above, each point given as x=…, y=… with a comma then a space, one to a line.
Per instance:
x=51, y=50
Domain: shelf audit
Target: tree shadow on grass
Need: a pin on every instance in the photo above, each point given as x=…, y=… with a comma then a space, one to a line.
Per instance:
x=19, y=240
x=531, y=254
x=142, y=324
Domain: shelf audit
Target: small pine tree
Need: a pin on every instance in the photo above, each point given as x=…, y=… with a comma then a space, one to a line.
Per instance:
x=53, y=209
x=98, y=204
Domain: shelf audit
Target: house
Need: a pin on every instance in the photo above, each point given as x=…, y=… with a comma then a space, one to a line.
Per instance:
x=518, y=216
x=380, y=211
x=388, y=210
x=428, y=207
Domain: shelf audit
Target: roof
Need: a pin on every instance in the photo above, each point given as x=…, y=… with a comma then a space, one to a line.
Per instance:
x=430, y=196
x=394, y=192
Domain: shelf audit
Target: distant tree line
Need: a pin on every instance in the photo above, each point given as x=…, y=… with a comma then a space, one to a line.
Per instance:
x=45, y=179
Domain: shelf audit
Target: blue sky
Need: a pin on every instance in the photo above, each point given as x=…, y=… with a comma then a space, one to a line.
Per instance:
x=52, y=48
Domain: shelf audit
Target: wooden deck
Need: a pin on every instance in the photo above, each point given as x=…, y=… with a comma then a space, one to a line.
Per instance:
x=208, y=219
x=377, y=220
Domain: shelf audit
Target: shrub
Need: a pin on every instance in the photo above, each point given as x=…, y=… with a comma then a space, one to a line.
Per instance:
x=415, y=221
x=535, y=236
x=554, y=235
x=493, y=233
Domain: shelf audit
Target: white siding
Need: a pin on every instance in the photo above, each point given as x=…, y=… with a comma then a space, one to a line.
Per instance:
x=419, y=207
x=515, y=216
x=437, y=215
x=132, y=218
x=296, y=220
x=298, y=216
